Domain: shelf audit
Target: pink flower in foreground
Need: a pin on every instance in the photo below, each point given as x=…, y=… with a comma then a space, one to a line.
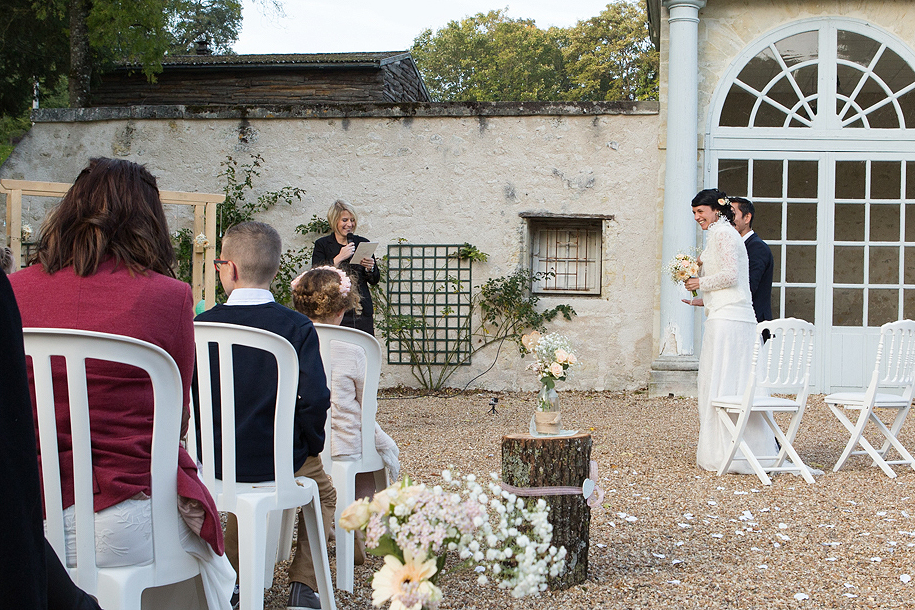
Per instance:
x=406, y=584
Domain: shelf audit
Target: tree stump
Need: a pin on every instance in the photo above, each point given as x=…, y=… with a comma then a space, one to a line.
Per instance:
x=529, y=461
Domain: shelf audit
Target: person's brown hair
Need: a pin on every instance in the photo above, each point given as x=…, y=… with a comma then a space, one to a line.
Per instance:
x=317, y=294
x=112, y=210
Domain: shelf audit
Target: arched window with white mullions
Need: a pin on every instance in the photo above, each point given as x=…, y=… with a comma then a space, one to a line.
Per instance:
x=815, y=123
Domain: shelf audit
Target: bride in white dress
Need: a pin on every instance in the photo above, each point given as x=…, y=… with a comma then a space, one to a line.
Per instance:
x=730, y=332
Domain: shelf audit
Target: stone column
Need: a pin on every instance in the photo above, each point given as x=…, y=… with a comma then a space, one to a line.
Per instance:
x=675, y=369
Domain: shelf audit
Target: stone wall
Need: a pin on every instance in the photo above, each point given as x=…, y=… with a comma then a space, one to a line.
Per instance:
x=433, y=173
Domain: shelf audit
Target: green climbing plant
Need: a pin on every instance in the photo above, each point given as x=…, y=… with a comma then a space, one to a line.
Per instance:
x=507, y=308
x=241, y=205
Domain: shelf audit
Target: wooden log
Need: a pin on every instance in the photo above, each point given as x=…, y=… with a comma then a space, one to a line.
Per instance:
x=529, y=462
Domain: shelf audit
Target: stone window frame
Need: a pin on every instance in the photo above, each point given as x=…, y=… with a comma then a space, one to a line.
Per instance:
x=577, y=262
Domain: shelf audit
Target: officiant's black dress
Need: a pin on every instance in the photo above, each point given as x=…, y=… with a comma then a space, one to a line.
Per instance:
x=326, y=249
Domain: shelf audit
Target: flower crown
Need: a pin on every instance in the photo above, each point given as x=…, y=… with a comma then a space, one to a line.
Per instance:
x=345, y=283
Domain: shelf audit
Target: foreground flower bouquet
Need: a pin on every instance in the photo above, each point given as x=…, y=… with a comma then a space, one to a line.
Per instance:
x=414, y=527
x=554, y=358
x=682, y=267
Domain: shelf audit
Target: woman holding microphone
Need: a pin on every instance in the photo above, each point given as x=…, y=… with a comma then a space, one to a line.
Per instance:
x=337, y=250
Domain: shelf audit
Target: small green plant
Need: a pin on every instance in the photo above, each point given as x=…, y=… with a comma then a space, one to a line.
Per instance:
x=506, y=305
x=239, y=206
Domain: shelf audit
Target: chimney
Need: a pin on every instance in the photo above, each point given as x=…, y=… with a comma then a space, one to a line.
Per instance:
x=203, y=47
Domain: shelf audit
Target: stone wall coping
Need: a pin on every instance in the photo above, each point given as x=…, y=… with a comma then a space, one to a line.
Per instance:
x=344, y=110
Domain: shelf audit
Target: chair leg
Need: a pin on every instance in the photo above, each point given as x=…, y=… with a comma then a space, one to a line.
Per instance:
x=284, y=546
x=252, y=555
x=274, y=524
x=346, y=541
x=856, y=431
x=892, y=440
x=314, y=526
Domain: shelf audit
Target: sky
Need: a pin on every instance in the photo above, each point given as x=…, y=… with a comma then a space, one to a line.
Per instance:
x=338, y=26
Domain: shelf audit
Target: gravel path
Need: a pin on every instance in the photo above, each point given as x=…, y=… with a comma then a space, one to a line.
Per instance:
x=670, y=535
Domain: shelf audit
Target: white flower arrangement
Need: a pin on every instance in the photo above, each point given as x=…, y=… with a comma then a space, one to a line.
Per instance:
x=201, y=241
x=682, y=267
x=414, y=527
x=553, y=355
x=26, y=234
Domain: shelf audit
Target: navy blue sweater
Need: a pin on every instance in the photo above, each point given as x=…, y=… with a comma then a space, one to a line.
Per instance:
x=255, y=389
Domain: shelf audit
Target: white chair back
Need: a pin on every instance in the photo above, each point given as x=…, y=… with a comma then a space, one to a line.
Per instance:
x=895, y=364
x=224, y=337
x=328, y=334
x=782, y=363
x=171, y=563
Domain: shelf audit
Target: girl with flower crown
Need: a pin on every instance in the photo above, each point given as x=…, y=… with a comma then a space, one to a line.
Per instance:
x=325, y=294
x=730, y=332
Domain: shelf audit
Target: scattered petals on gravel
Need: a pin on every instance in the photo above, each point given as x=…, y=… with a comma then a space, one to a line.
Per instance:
x=697, y=540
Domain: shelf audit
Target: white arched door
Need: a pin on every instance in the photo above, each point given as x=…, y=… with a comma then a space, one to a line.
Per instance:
x=815, y=124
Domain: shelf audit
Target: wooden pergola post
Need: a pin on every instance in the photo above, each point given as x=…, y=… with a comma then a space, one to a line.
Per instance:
x=204, y=273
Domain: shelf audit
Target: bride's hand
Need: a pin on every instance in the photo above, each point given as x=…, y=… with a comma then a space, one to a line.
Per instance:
x=696, y=302
x=691, y=284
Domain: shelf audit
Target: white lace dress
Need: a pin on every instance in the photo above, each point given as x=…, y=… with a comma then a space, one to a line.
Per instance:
x=727, y=346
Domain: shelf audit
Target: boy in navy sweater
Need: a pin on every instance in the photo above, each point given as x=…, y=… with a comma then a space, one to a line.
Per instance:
x=250, y=259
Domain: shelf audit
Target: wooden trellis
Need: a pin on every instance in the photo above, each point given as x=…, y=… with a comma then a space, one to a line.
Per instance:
x=204, y=273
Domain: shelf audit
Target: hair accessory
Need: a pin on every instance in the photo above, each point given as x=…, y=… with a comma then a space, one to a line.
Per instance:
x=724, y=201
x=345, y=283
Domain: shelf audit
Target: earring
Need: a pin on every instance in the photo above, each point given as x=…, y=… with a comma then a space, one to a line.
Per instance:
x=719, y=215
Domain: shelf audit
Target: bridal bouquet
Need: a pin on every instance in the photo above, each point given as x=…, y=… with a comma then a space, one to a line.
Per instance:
x=682, y=267
x=414, y=527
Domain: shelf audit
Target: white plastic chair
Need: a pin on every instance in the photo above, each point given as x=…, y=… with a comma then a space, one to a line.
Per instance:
x=781, y=367
x=893, y=371
x=117, y=588
x=263, y=509
x=343, y=470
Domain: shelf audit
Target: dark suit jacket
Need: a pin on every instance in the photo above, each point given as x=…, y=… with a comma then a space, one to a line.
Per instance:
x=761, y=266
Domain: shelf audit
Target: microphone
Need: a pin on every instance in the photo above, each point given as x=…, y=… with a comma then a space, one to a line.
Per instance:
x=350, y=238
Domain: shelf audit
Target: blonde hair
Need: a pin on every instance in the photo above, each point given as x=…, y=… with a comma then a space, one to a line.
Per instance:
x=255, y=248
x=319, y=294
x=336, y=211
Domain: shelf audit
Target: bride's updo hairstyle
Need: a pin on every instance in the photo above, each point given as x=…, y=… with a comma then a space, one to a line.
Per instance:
x=322, y=292
x=716, y=200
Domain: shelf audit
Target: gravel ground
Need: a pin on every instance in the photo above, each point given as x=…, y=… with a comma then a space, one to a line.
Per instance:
x=668, y=534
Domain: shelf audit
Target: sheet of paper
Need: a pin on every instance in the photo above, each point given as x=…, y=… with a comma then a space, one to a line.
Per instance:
x=364, y=250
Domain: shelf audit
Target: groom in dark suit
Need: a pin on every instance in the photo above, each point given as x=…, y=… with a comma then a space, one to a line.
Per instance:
x=759, y=255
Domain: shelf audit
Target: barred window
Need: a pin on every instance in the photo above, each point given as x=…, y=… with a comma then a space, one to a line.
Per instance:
x=569, y=251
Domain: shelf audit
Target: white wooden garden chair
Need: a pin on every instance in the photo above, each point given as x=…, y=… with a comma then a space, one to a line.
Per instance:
x=782, y=367
x=890, y=389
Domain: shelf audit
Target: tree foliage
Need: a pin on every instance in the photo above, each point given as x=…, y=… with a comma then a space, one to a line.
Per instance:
x=491, y=57
x=43, y=39
x=610, y=57
x=31, y=50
